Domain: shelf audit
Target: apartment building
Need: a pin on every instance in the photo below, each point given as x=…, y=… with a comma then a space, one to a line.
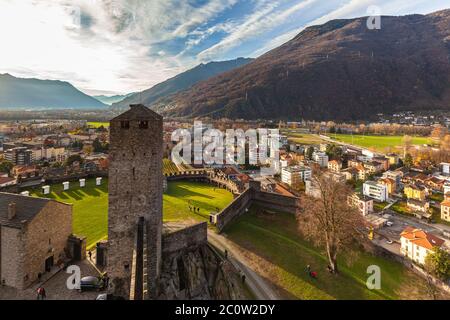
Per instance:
x=376, y=191
x=295, y=175
x=416, y=244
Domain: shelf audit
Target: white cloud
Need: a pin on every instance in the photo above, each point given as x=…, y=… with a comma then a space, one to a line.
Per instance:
x=42, y=39
x=121, y=46
x=257, y=23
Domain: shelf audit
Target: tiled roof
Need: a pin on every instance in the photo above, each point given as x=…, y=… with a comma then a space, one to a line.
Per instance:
x=421, y=238
x=26, y=208
x=6, y=180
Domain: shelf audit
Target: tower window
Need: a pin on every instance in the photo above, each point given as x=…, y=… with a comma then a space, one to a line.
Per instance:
x=143, y=124
x=125, y=124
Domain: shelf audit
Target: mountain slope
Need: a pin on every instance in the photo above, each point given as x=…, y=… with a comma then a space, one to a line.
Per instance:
x=109, y=100
x=340, y=70
x=182, y=81
x=35, y=93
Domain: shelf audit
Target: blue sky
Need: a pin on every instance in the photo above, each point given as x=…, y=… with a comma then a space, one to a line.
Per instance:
x=121, y=46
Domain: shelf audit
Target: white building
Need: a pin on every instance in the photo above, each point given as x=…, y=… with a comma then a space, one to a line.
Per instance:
x=445, y=168
x=295, y=174
x=362, y=203
x=416, y=244
x=376, y=190
x=321, y=158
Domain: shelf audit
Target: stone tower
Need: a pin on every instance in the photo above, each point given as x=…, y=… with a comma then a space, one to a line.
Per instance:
x=135, y=192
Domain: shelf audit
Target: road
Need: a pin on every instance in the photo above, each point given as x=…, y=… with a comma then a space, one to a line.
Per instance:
x=260, y=288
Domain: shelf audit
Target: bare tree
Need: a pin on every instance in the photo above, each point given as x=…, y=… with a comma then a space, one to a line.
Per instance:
x=328, y=220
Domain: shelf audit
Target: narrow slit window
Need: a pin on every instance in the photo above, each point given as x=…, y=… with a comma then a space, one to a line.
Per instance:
x=125, y=124
x=143, y=124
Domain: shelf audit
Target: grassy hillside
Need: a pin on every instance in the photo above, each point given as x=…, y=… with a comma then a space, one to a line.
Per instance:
x=271, y=241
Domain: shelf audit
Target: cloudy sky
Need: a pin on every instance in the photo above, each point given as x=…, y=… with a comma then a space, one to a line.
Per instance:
x=121, y=46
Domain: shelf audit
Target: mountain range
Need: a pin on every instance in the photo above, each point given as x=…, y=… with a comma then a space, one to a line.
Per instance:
x=109, y=100
x=340, y=70
x=181, y=82
x=17, y=93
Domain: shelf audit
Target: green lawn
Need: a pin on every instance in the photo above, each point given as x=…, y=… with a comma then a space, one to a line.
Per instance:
x=302, y=138
x=281, y=255
x=91, y=204
x=380, y=143
x=98, y=124
x=401, y=207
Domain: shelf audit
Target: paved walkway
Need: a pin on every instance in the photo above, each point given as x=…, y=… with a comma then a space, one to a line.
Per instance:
x=260, y=288
x=55, y=287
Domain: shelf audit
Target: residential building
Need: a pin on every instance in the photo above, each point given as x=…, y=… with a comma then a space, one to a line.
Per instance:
x=350, y=173
x=376, y=190
x=7, y=181
x=321, y=158
x=390, y=184
x=384, y=162
x=416, y=192
x=445, y=209
x=445, y=168
x=373, y=167
x=416, y=244
x=19, y=156
x=312, y=189
x=362, y=203
x=435, y=184
x=295, y=175
x=396, y=176
x=393, y=159
x=335, y=165
x=418, y=206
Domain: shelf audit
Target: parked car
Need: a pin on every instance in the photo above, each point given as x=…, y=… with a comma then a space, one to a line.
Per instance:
x=91, y=283
x=389, y=223
x=388, y=241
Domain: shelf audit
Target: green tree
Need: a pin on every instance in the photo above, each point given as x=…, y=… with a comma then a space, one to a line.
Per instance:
x=309, y=153
x=438, y=263
x=73, y=158
x=6, y=166
x=97, y=145
x=408, y=161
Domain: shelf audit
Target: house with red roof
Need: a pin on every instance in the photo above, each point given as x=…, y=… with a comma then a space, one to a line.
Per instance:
x=416, y=244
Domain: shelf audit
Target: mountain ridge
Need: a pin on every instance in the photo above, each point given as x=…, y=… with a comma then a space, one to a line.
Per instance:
x=336, y=71
x=181, y=82
x=20, y=93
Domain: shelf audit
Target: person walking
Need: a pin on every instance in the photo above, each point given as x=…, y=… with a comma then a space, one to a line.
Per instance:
x=90, y=254
x=41, y=294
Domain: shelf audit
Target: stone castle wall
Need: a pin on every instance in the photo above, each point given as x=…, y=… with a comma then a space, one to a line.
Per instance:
x=276, y=201
x=11, y=257
x=234, y=209
x=186, y=238
x=254, y=195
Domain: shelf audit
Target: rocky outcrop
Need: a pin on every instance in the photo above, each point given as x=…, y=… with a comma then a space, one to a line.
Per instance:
x=198, y=274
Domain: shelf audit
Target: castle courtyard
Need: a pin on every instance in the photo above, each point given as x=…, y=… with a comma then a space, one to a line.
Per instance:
x=90, y=204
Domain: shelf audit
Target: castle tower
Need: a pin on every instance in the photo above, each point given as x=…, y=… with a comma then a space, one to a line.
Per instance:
x=135, y=191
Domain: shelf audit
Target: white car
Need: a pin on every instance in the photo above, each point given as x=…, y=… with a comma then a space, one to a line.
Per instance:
x=389, y=223
x=389, y=241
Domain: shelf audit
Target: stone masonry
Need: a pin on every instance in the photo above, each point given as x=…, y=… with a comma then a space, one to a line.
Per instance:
x=135, y=191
